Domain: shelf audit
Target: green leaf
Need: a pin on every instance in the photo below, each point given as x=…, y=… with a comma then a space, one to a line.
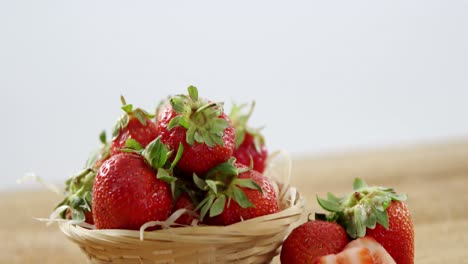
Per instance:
x=219, y=125
x=331, y=197
x=208, y=139
x=190, y=135
x=78, y=215
x=102, y=137
x=88, y=197
x=370, y=219
x=360, y=228
x=179, y=153
x=133, y=144
x=174, y=122
x=399, y=197
x=359, y=184
x=193, y=93
x=202, y=203
x=223, y=171
x=184, y=122
x=140, y=115
x=248, y=183
x=240, y=197
x=331, y=206
x=207, y=206
x=210, y=106
x=212, y=185
x=381, y=217
x=201, y=184
x=165, y=176
x=156, y=153
x=218, y=139
x=127, y=108
x=218, y=206
x=178, y=104
x=121, y=124
x=198, y=137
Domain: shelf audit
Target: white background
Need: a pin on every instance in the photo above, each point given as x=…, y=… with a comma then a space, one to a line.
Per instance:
x=326, y=75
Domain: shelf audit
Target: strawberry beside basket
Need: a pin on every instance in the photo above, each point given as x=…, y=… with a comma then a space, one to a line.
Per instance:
x=255, y=240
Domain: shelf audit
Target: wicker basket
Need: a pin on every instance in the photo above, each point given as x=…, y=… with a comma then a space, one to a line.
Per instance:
x=255, y=240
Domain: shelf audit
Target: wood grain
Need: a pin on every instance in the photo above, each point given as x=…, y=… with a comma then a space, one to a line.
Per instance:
x=435, y=177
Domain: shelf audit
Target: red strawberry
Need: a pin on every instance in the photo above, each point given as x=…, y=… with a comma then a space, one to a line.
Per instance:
x=358, y=255
x=250, y=144
x=235, y=193
x=127, y=194
x=202, y=127
x=312, y=240
x=377, y=212
x=398, y=239
x=184, y=202
x=134, y=124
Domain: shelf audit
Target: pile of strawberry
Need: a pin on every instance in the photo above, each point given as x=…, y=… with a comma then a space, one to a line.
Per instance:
x=369, y=225
x=188, y=155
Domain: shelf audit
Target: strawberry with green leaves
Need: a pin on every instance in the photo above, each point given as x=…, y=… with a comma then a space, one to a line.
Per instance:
x=234, y=193
x=79, y=188
x=201, y=126
x=250, y=143
x=135, y=124
x=131, y=188
x=78, y=197
x=377, y=212
x=313, y=240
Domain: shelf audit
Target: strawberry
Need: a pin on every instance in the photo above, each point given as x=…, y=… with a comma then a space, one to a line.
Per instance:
x=235, y=193
x=127, y=194
x=184, y=201
x=134, y=124
x=359, y=255
x=133, y=188
x=379, y=254
x=398, y=239
x=312, y=240
x=202, y=127
x=250, y=143
x=377, y=212
x=360, y=251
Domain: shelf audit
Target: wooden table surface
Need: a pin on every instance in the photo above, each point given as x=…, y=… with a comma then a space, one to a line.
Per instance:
x=435, y=177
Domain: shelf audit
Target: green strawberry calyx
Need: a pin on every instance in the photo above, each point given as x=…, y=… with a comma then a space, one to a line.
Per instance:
x=363, y=208
x=78, y=194
x=123, y=121
x=221, y=185
x=199, y=117
x=158, y=156
x=239, y=120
